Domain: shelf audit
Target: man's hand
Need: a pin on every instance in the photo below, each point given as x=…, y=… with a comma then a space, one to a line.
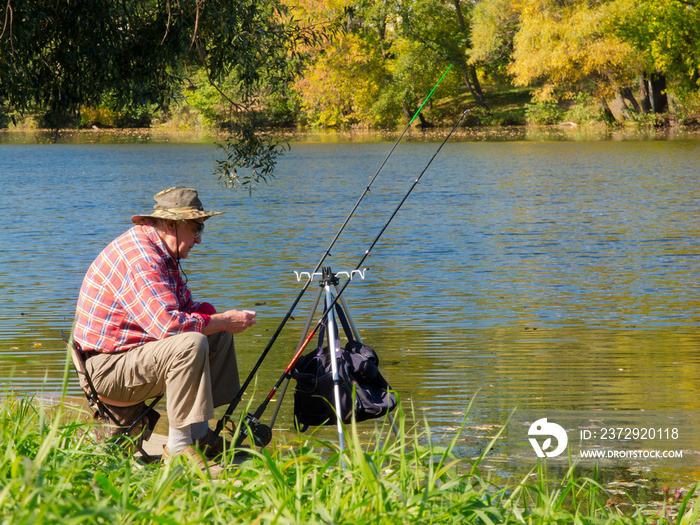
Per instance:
x=234, y=321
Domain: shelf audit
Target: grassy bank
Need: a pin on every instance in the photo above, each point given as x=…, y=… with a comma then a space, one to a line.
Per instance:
x=506, y=107
x=52, y=471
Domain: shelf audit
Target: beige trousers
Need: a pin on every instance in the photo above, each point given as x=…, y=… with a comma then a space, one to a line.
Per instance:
x=196, y=373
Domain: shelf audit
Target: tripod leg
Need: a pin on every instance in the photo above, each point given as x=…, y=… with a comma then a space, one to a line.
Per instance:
x=356, y=333
x=334, y=369
x=279, y=403
x=353, y=327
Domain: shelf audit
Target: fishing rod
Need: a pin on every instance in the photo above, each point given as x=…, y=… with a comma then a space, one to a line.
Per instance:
x=262, y=434
x=236, y=400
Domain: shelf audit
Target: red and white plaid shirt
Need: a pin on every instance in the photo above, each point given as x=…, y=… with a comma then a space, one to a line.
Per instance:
x=133, y=293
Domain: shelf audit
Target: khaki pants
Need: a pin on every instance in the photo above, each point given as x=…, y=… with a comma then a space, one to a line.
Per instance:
x=196, y=373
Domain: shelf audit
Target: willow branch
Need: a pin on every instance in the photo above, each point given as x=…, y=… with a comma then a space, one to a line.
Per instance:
x=8, y=23
x=198, y=44
x=196, y=22
x=167, y=26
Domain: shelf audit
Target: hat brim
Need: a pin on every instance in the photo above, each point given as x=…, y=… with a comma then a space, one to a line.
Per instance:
x=173, y=216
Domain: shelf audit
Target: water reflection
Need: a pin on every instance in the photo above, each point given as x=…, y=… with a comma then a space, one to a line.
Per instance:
x=532, y=275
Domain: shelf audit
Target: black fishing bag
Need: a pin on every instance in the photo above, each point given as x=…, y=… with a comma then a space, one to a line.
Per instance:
x=358, y=366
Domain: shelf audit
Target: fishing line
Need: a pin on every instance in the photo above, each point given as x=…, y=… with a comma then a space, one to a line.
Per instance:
x=236, y=400
x=262, y=433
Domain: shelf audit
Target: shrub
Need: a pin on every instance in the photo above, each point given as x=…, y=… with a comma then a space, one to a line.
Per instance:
x=543, y=113
x=584, y=110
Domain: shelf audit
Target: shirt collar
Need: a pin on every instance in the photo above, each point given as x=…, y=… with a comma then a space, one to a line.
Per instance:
x=158, y=244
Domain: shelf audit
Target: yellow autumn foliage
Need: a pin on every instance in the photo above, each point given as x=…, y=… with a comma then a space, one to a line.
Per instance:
x=342, y=84
x=564, y=48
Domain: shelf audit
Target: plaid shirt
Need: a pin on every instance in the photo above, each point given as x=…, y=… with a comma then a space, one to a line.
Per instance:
x=132, y=294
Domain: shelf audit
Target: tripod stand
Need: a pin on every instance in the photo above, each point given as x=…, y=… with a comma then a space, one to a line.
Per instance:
x=333, y=358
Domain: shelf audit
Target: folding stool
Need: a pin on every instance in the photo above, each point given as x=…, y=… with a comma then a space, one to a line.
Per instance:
x=140, y=422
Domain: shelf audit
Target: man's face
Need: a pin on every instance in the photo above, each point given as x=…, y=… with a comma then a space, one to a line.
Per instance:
x=189, y=234
x=182, y=236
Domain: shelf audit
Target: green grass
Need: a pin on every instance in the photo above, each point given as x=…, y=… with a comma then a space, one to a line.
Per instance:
x=52, y=471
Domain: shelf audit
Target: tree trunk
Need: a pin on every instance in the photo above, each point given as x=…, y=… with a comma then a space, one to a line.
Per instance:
x=629, y=96
x=475, y=80
x=458, y=9
x=467, y=71
x=478, y=97
x=410, y=111
x=624, y=108
x=607, y=114
x=644, y=94
x=424, y=123
x=657, y=93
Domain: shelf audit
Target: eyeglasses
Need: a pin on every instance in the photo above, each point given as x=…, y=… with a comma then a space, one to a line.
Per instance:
x=198, y=229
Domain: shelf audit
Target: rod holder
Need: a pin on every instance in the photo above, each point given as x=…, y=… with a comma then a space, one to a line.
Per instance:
x=351, y=275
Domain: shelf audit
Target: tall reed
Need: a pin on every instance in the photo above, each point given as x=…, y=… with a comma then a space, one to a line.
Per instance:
x=53, y=471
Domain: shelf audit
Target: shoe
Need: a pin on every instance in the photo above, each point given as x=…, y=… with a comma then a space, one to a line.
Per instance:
x=195, y=458
x=212, y=446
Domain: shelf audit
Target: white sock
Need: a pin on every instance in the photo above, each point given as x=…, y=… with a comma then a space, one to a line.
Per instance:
x=199, y=430
x=179, y=438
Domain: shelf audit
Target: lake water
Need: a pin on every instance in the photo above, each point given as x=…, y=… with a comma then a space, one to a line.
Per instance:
x=556, y=278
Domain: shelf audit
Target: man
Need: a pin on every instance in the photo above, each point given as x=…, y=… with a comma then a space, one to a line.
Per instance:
x=143, y=334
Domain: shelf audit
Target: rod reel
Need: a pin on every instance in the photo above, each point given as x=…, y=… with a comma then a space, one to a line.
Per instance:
x=261, y=434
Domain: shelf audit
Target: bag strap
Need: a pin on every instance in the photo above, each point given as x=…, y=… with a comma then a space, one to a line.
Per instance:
x=344, y=322
x=322, y=333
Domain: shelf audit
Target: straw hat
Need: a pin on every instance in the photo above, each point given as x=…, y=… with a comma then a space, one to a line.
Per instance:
x=176, y=204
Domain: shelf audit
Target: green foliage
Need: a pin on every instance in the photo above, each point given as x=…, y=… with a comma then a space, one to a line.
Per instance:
x=434, y=24
x=667, y=33
x=61, y=56
x=568, y=47
x=204, y=98
x=57, y=57
x=687, y=106
x=602, y=49
x=251, y=64
x=251, y=157
x=106, y=115
x=584, y=110
x=543, y=113
x=379, y=71
x=431, y=35
x=494, y=24
x=413, y=74
x=64, y=58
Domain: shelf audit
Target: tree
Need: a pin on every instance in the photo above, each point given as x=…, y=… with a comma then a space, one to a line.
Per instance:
x=603, y=49
x=666, y=33
x=444, y=27
x=414, y=69
x=493, y=28
x=567, y=47
x=425, y=38
x=382, y=67
x=59, y=56
x=343, y=82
